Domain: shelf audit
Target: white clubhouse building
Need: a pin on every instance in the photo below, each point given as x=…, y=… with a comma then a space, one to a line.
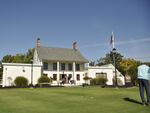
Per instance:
x=60, y=64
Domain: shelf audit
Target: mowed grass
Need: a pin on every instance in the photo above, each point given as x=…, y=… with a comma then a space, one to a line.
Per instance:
x=71, y=100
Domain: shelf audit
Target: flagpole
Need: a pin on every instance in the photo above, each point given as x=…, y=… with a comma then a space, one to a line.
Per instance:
x=113, y=40
x=114, y=57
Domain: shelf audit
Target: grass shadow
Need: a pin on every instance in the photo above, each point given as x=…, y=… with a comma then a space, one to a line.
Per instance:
x=131, y=100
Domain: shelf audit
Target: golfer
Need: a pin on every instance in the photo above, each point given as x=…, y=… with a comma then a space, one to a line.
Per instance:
x=143, y=78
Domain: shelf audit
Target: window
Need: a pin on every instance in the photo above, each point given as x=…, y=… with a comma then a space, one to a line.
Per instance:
x=54, y=77
x=55, y=66
x=77, y=67
x=62, y=66
x=103, y=75
x=69, y=77
x=45, y=66
x=70, y=67
x=78, y=77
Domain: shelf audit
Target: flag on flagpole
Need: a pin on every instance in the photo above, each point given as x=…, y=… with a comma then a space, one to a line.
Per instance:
x=112, y=40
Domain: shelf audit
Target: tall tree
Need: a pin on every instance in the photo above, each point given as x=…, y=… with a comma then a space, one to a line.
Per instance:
x=108, y=59
x=29, y=55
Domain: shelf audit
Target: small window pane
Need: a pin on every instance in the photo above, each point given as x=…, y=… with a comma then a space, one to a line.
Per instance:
x=70, y=67
x=54, y=66
x=77, y=67
x=78, y=77
x=54, y=77
x=62, y=66
x=45, y=66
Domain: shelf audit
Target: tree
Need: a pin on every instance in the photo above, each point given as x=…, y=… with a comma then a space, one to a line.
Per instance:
x=92, y=63
x=29, y=55
x=108, y=59
x=8, y=59
x=19, y=58
x=129, y=67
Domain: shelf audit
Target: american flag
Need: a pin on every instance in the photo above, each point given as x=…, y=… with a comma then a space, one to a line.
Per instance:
x=112, y=40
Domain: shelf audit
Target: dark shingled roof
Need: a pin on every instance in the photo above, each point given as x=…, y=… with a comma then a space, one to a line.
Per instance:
x=60, y=54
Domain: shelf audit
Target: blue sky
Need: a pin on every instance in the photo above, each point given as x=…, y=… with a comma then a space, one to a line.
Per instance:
x=58, y=23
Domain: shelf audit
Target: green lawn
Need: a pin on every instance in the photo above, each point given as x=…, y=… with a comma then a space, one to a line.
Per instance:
x=71, y=100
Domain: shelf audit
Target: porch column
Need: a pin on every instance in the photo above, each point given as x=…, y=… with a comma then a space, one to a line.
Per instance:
x=74, y=69
x=58, y=71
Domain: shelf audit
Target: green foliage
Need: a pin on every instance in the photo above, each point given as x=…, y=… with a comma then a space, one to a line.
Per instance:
x=98, y=81
x=92, y=63
x=129, y=67
x=86, y=78
x=19, y=58
x=108, y=59
x=8, y=59
x=21, y=81
x=29, y=55
x=44, y=79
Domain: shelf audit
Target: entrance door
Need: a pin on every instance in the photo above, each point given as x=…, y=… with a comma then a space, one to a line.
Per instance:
x=64, y=78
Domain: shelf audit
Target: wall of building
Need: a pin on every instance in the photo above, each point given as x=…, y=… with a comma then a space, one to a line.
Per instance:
x=92, y=73
x=74, y=76
x=109, y=71
x=12, y=70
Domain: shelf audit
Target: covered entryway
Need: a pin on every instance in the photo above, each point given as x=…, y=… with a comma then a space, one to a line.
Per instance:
x=64, y=78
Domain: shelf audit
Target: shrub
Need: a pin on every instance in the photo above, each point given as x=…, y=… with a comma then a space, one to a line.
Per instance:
x=21, y=81
x=86, y=78
x=44, y=79
x=93, y=81
x=98, y=81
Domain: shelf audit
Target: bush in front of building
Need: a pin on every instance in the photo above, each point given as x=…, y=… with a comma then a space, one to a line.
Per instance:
x=44, y=79
x=21, y=81
x=98, y=81
x=86, y=79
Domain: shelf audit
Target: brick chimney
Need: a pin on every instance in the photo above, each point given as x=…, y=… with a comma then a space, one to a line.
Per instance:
x=74, y=45
x=38, y=43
